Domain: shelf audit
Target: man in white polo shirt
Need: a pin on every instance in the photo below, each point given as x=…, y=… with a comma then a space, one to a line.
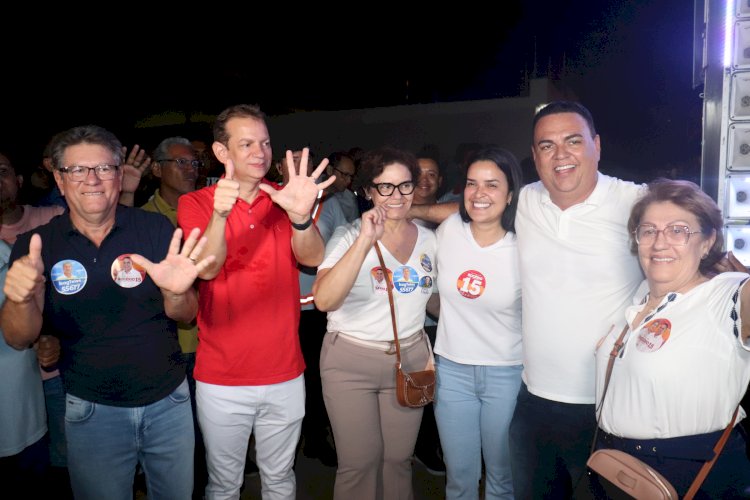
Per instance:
x=578, y=275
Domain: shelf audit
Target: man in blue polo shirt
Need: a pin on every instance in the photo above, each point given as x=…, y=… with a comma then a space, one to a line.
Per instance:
x=127, y=400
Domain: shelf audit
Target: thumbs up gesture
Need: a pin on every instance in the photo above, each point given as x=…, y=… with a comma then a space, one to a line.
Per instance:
x=227, y=192
x=25, y=279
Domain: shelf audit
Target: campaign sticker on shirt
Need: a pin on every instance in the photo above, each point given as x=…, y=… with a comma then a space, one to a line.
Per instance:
x=471, y=284
x=653, y=335
x=425, y=283
x=68, y=277
x=379, y=285
x=424, y=259
x=405, y=279
x=127, y=273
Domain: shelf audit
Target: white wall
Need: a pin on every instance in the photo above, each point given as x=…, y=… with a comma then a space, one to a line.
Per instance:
x=505, y=122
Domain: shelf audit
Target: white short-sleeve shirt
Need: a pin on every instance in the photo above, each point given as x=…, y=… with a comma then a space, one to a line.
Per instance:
x=365, y=312
x=480, y=297
x=577, y=278
x=687, y=382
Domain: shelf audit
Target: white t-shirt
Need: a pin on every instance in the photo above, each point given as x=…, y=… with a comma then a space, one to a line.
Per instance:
x=480, y=297
x=365, y=313
x=687, y=383
x=129, y=279
x=577, y=278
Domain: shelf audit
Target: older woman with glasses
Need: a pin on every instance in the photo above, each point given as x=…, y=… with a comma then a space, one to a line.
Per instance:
x=375, y=436
x=685, y=362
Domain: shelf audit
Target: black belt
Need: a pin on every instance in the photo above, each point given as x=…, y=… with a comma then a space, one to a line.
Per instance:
x=696, y=447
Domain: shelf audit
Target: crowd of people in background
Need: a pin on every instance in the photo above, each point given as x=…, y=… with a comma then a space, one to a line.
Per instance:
x=166, y=310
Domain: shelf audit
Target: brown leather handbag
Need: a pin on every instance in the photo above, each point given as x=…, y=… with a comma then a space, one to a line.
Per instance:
x=413, y=389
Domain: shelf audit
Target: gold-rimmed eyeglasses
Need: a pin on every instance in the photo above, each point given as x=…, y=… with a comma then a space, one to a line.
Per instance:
x=676, y=235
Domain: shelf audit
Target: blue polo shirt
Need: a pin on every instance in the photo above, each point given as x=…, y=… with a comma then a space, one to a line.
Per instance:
x=118, y=346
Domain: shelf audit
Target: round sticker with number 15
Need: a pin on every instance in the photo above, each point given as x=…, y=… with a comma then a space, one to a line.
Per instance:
x=471, y=284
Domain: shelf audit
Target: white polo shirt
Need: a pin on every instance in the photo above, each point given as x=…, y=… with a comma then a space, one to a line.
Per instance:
x=577, y=278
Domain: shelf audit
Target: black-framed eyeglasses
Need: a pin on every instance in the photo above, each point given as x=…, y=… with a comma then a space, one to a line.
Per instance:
x=77, y=173
x=676, y=235
x=386, y=188
x=184, y=163
x=344, y=174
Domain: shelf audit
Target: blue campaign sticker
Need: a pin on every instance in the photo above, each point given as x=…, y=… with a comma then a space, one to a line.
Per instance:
x=424, y=259
x=405, y=279
x=68, y=276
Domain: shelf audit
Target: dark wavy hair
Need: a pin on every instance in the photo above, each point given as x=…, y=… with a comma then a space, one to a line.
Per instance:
x=688, y=196
x=374, y=162
x=509, y=166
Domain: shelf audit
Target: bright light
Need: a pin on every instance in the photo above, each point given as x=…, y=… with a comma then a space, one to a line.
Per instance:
x=728, y=32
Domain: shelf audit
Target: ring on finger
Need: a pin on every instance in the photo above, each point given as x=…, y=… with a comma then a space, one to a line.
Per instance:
x=193, y=260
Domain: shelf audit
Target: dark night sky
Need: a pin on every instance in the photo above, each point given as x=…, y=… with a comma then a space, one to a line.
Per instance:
x=630, y=62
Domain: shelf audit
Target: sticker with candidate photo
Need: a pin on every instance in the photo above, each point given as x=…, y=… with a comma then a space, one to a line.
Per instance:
x=127, y=273
x=424, y=259
x=379, y=283
x=405, y=279
x=68, y=276
x=653, y=335
x=471, y=284
x=426, y=284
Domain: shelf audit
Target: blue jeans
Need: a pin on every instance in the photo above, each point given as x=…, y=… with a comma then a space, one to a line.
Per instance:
x=473, y=408
x=550, y=442
x=54, y=397
x=105, y=443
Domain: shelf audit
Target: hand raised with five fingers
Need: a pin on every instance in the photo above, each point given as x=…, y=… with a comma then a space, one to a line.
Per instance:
x=298, y=195
x=177, y=272
x=136, y=164
x=25, y=279
x=227, y=191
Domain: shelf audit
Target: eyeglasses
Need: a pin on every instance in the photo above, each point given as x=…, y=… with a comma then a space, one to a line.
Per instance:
x=184, y=163
x=344, y=174
x=645, y=234
x=79, y=174
x=386, y=188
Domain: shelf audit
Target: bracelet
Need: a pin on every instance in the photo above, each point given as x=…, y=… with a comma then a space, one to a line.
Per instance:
x=303, y=226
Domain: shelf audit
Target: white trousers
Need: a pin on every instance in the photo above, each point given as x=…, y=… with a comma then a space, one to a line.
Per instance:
x=228, y=415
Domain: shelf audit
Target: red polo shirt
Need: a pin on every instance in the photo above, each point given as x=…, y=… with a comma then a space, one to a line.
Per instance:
x=249, y=313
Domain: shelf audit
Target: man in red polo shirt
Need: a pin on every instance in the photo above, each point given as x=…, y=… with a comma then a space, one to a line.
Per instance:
x=249, y=366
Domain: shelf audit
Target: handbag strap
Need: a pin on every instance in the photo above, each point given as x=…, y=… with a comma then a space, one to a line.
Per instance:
x=706, y=468
x=389, y=286
x=710, y=463
x=612, y=355
x=725, y=435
